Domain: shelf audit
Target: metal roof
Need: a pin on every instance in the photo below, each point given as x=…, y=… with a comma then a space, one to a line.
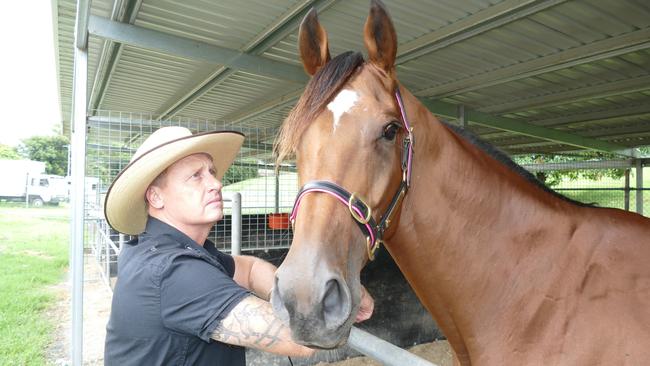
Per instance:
x=532, y=75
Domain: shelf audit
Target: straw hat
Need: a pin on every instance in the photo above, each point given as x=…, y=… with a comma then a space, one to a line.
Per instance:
x=124, y=207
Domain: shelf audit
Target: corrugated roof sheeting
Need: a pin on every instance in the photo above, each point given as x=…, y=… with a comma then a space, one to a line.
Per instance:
x=239, y=91
x=66, y=13
x=147, y=80
x=226, y=23
x=269, y=120
x=580, y=66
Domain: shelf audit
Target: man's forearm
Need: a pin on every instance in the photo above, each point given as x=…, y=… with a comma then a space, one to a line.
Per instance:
x=252, y=323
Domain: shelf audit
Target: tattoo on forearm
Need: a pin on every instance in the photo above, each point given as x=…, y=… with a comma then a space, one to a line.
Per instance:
x=250, y=323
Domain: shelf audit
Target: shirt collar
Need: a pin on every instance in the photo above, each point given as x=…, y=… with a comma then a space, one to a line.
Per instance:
x=157, y=227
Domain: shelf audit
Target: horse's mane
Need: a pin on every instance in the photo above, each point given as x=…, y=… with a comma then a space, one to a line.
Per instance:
x=320, y=90
x=504, y=159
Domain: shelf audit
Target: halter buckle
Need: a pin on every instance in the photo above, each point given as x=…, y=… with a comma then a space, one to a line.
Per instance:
x=359, y=218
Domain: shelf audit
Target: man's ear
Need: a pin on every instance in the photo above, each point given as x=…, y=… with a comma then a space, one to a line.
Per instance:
x=154, y=197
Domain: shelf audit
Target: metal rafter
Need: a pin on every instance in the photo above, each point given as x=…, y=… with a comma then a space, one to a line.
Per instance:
x=475, y=24
x=267, y=107
x=619, y=115
x=266, y=39
x=490, y=18
x=608, y=48
x=124, y=11
x=512, y=125
x=174, y=45
x=621, y=87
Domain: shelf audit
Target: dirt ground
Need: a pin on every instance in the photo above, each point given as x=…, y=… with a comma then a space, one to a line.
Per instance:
x=97, y=303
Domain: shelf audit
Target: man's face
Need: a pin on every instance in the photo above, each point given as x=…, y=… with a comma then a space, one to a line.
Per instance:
x=190, y=193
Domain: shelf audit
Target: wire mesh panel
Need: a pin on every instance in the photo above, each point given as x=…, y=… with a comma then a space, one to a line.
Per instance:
x=267, y=195
x=597, y=183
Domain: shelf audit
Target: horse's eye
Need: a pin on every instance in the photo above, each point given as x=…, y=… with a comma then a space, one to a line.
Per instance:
x=390, y=131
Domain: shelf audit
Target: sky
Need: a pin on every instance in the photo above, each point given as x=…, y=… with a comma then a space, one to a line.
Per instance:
x=28, y=87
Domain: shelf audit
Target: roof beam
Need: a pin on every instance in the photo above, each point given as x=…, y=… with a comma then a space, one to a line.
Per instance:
x=174, y=45
x=475, y=24
x=613, y=133
x=512, y=125
x=81, y=24
x=265, y=40
x=607, y=48
x=621, y=87
x=269, y=106
x=599, y=117
x=124, y=11
x=492, y=17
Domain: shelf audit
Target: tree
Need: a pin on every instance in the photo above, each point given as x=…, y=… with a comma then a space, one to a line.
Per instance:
x=8, y=152
x=53, y=150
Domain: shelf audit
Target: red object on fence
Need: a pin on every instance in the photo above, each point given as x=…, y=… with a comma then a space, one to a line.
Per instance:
x=278, y=221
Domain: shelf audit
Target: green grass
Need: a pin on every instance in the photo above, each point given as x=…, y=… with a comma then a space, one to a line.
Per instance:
x=33, y=256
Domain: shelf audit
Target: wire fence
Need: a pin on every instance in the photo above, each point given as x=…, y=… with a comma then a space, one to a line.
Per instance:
x=268, y=194
x=599, y=183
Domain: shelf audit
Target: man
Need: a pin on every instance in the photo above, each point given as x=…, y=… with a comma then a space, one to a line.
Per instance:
x=178, y=300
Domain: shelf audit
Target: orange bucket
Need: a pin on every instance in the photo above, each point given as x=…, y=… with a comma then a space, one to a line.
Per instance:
x=278, y=221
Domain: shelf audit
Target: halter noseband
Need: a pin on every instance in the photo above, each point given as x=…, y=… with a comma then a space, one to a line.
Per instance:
x=359, y=210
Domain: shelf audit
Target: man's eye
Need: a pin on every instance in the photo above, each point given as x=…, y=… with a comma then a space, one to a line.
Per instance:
x=213, y=172
x=390, y=131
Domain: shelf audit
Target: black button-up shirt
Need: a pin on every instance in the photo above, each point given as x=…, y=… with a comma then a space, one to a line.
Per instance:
x=170, y=295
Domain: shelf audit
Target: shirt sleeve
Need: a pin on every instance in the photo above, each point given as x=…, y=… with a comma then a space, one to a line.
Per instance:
x=227, y=261
x=195, y=296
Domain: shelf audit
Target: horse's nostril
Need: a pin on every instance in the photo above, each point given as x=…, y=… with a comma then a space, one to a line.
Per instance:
x=335, y=303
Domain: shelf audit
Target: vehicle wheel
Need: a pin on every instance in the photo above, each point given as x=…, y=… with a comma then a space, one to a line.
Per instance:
x=37, y=202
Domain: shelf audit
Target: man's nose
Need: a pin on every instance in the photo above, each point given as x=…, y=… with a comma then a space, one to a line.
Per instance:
x=214, y=183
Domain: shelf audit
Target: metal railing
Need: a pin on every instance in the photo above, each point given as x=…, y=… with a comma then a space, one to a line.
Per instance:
x=382, y=351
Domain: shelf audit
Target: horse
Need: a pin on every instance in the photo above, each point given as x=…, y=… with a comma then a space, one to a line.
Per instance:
x=512, y=272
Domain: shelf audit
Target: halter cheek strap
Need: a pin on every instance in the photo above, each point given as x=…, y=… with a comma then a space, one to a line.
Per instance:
x=359, y=210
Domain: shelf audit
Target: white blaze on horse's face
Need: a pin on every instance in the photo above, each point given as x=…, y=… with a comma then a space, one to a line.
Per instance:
x=344, y=101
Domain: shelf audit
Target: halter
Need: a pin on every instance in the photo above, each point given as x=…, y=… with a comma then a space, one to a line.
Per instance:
x=359, y=210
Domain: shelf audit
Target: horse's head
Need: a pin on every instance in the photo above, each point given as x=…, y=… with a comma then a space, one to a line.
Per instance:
x=348, y=134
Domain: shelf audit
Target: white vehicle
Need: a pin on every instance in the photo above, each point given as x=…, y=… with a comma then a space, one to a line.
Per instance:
x=25, y=180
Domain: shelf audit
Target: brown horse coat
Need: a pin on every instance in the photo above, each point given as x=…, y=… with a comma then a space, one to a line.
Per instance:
x=512, y=273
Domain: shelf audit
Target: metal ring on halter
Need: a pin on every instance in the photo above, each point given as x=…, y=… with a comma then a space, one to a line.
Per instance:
x=371, y=251
x=361, y=220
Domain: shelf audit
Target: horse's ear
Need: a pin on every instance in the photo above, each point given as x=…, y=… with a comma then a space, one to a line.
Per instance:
x=312, y=43
x=380, y=37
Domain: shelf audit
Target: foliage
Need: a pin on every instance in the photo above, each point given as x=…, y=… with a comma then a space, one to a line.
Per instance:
x=645, y=151
x=33, y=257
x=8, y=152
x=53, y=150
x=237, y=173
x=553, y=178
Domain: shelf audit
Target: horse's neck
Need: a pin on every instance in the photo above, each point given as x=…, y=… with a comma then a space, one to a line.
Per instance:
x=467, y=224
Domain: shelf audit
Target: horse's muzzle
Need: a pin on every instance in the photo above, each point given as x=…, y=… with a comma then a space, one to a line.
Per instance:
x=318, y=310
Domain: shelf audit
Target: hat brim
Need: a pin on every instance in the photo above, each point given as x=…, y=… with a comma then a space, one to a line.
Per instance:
x=125, y=208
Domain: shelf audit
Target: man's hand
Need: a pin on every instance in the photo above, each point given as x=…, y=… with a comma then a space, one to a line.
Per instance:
x=366, y=306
